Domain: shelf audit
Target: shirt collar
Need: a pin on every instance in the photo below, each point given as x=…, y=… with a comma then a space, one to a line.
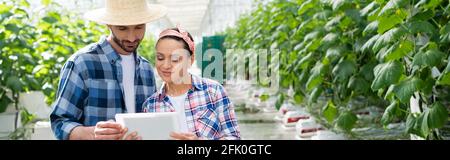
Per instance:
x=111, y=54
x=197, y=84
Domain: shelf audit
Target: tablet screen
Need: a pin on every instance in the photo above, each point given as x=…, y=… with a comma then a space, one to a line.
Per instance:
x=150, y=126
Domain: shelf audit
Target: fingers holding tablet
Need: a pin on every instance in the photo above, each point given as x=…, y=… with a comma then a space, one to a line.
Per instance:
x=108, y=130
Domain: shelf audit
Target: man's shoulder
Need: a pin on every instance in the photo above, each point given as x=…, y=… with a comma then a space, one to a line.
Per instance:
x=89, y=52
x=145, y=64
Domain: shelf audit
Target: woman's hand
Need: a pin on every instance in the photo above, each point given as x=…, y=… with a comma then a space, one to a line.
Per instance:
x=132, y=136
x=183, y=136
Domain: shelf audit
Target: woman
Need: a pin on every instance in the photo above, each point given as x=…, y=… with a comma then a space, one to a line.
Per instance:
x=205, y=112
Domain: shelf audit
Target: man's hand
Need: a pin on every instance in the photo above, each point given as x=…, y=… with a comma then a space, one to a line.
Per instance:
x=109, y=130
x=104, y=130
x=183, y=136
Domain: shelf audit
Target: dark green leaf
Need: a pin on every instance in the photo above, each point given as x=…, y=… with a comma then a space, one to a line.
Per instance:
x=316, y=77
x=430, y=58
x=410, y=123
x=14, y=83
x=316, y=92
x=346, y=121
x=445, y=33
x=13, y=28
x=344, y=69
x=405, y=89
x=389, y=113
x=358, y=85
x=279, y=102
x=386, y=74
x=438, y=116
x=50, y=20
x=425, y=129
x=421, y=27
x=4, y=102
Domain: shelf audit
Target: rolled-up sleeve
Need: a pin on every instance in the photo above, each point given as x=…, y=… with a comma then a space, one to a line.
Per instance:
x=70, y=98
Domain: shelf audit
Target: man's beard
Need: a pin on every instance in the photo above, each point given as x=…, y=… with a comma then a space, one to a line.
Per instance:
x=121, y=44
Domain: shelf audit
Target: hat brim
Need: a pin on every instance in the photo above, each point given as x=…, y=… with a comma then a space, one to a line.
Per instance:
x=138, y=17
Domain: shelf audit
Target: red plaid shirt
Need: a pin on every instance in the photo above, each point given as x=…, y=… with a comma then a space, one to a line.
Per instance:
x=209, y=112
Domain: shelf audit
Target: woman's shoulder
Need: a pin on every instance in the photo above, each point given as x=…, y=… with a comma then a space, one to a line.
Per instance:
x=208, y=85
x=154, y=98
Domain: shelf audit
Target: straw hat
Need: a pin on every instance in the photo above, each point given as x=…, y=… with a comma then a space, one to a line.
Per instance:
x=126, y=12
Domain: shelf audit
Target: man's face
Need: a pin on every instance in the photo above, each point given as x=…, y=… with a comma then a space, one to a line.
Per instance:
x=128, y=37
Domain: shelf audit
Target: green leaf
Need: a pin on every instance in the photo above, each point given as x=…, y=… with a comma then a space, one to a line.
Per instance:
x=264, y=97
x=444, y=79
x=298, y=97
x=390, y=36
x=50, y=19
x=370, y=43
x=13, y=28
x=336, y=4
x=329, y=111
x=316, y=92
x=389, y=113
x=316, y=77
x=400, y=50
x=367, y=71
x=280, y=101
x=430, y=58
x=392, y=5
x=334, y=52
x=304, y=62
x=305, y=7
x=346, y=121
x=344, y=69
x=421, y=27
x=445, y=33
x=386, y=23
x=405, y=89
x=368, y=8
x=410, y=123
x=358, y=85
x=438, y=116
x=428, y=4
x=424, y=128
x=4, y=101
x=371, y=28
x=14, y=83
x=386, y=74
x=330, y=39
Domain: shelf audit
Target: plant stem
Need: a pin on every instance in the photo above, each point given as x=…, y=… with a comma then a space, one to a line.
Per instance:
x=16, y=105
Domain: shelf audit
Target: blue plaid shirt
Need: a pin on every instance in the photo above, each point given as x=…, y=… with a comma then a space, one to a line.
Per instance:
x=91, y=89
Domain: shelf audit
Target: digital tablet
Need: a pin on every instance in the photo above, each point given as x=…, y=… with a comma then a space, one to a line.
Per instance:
x=150, y=126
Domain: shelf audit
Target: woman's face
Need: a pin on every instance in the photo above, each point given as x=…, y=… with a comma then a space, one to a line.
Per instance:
x=172, y=60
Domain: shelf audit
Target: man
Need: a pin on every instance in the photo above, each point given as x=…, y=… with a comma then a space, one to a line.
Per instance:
x=106, y=77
